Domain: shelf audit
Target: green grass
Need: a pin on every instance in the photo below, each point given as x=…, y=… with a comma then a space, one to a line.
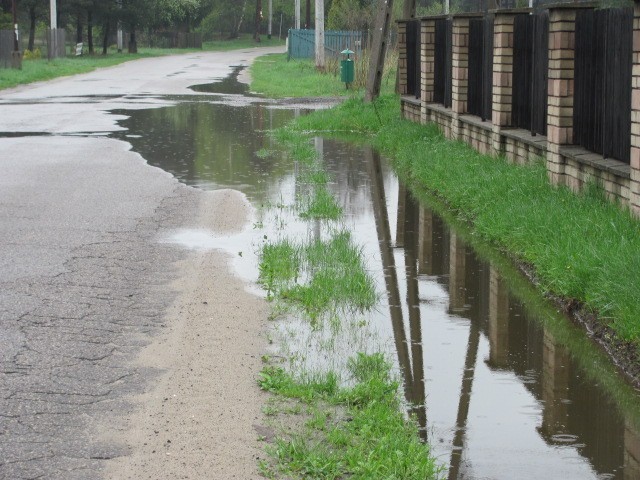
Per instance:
x=276, y=77
x=42, y=69
x=321, y=205
x=376, y=442
x=318, y=278
x=581, y=247
x=242, y=42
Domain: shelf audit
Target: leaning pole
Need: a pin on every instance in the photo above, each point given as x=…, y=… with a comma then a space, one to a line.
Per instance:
x=378, y=51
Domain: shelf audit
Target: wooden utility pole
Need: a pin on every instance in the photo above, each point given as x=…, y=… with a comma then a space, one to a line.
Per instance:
x=16, y=54
x=297, y=14
x=378, y=50
x=409, y=9
x=53, y=14
x=320, y=35
x=14, y=12
x=270, y=28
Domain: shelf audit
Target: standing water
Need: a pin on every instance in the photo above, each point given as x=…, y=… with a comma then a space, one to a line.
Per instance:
x=502, y=386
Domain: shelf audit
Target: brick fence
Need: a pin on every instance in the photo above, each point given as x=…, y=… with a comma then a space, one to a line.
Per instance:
x=567, y=164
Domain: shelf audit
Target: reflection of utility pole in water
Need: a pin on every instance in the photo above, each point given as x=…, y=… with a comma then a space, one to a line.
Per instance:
x=413, y=306
x=319, y=146
x=457, y=275
x=498, y=321
x=413, y=380
x=402, y=196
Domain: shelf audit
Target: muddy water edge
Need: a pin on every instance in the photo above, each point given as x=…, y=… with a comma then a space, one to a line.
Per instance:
x=501, y=384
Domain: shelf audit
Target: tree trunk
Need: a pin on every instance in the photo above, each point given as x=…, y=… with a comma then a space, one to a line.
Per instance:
x=378, y=51
x=236, y=28
x=32, y=27
x=133, y=44
x=105, y=38
x=256, y=35
x=90, y=31
x=79, y=28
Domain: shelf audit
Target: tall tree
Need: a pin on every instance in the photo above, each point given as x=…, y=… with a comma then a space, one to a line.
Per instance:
x=35, y=10
x=256, y=35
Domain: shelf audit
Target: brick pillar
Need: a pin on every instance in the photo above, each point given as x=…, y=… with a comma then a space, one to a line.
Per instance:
x=460, y=70
x=502, y=76
x=562, y=34
x=402, y=57
x=635, y=115
x=428, y=60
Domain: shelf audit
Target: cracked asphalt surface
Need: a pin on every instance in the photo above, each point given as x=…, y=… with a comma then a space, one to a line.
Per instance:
x=84, y=281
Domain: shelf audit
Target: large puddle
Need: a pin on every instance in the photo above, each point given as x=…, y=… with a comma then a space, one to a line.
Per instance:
x=502, y=386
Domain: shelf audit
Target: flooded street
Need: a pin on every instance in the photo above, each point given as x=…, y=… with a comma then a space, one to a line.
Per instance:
x=502, y=385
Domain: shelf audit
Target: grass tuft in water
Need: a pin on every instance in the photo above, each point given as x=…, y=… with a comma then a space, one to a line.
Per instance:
x=376, y=441
x=318, y=278
x=279, y=265
x=321, y=205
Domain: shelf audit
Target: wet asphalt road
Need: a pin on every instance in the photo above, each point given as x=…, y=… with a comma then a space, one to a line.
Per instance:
x=84, y=281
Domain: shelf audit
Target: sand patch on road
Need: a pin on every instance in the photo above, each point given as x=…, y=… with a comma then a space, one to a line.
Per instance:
x=198, y=419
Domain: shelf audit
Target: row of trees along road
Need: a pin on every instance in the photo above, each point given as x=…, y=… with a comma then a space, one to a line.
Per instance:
x=227, y=18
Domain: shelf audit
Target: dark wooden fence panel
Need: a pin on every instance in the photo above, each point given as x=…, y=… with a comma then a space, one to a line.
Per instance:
x=413, y=58
x=602, y=95
x=442, y=62
x=480, y=67
x=540, y=72
x=189, y=40
x=6, y=47
x=530, y=66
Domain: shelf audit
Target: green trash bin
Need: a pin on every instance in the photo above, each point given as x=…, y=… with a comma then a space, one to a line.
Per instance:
x=347, y=68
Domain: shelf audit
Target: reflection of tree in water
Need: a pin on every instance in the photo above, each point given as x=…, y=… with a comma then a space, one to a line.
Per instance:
x=202, y=143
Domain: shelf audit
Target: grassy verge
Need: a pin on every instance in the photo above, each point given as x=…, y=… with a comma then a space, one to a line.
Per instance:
x=354, y=432
x=42, y=69
x=37, y=70
x=244, y=41
x=581, y=246
x=335, y=414
x=276, y=77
